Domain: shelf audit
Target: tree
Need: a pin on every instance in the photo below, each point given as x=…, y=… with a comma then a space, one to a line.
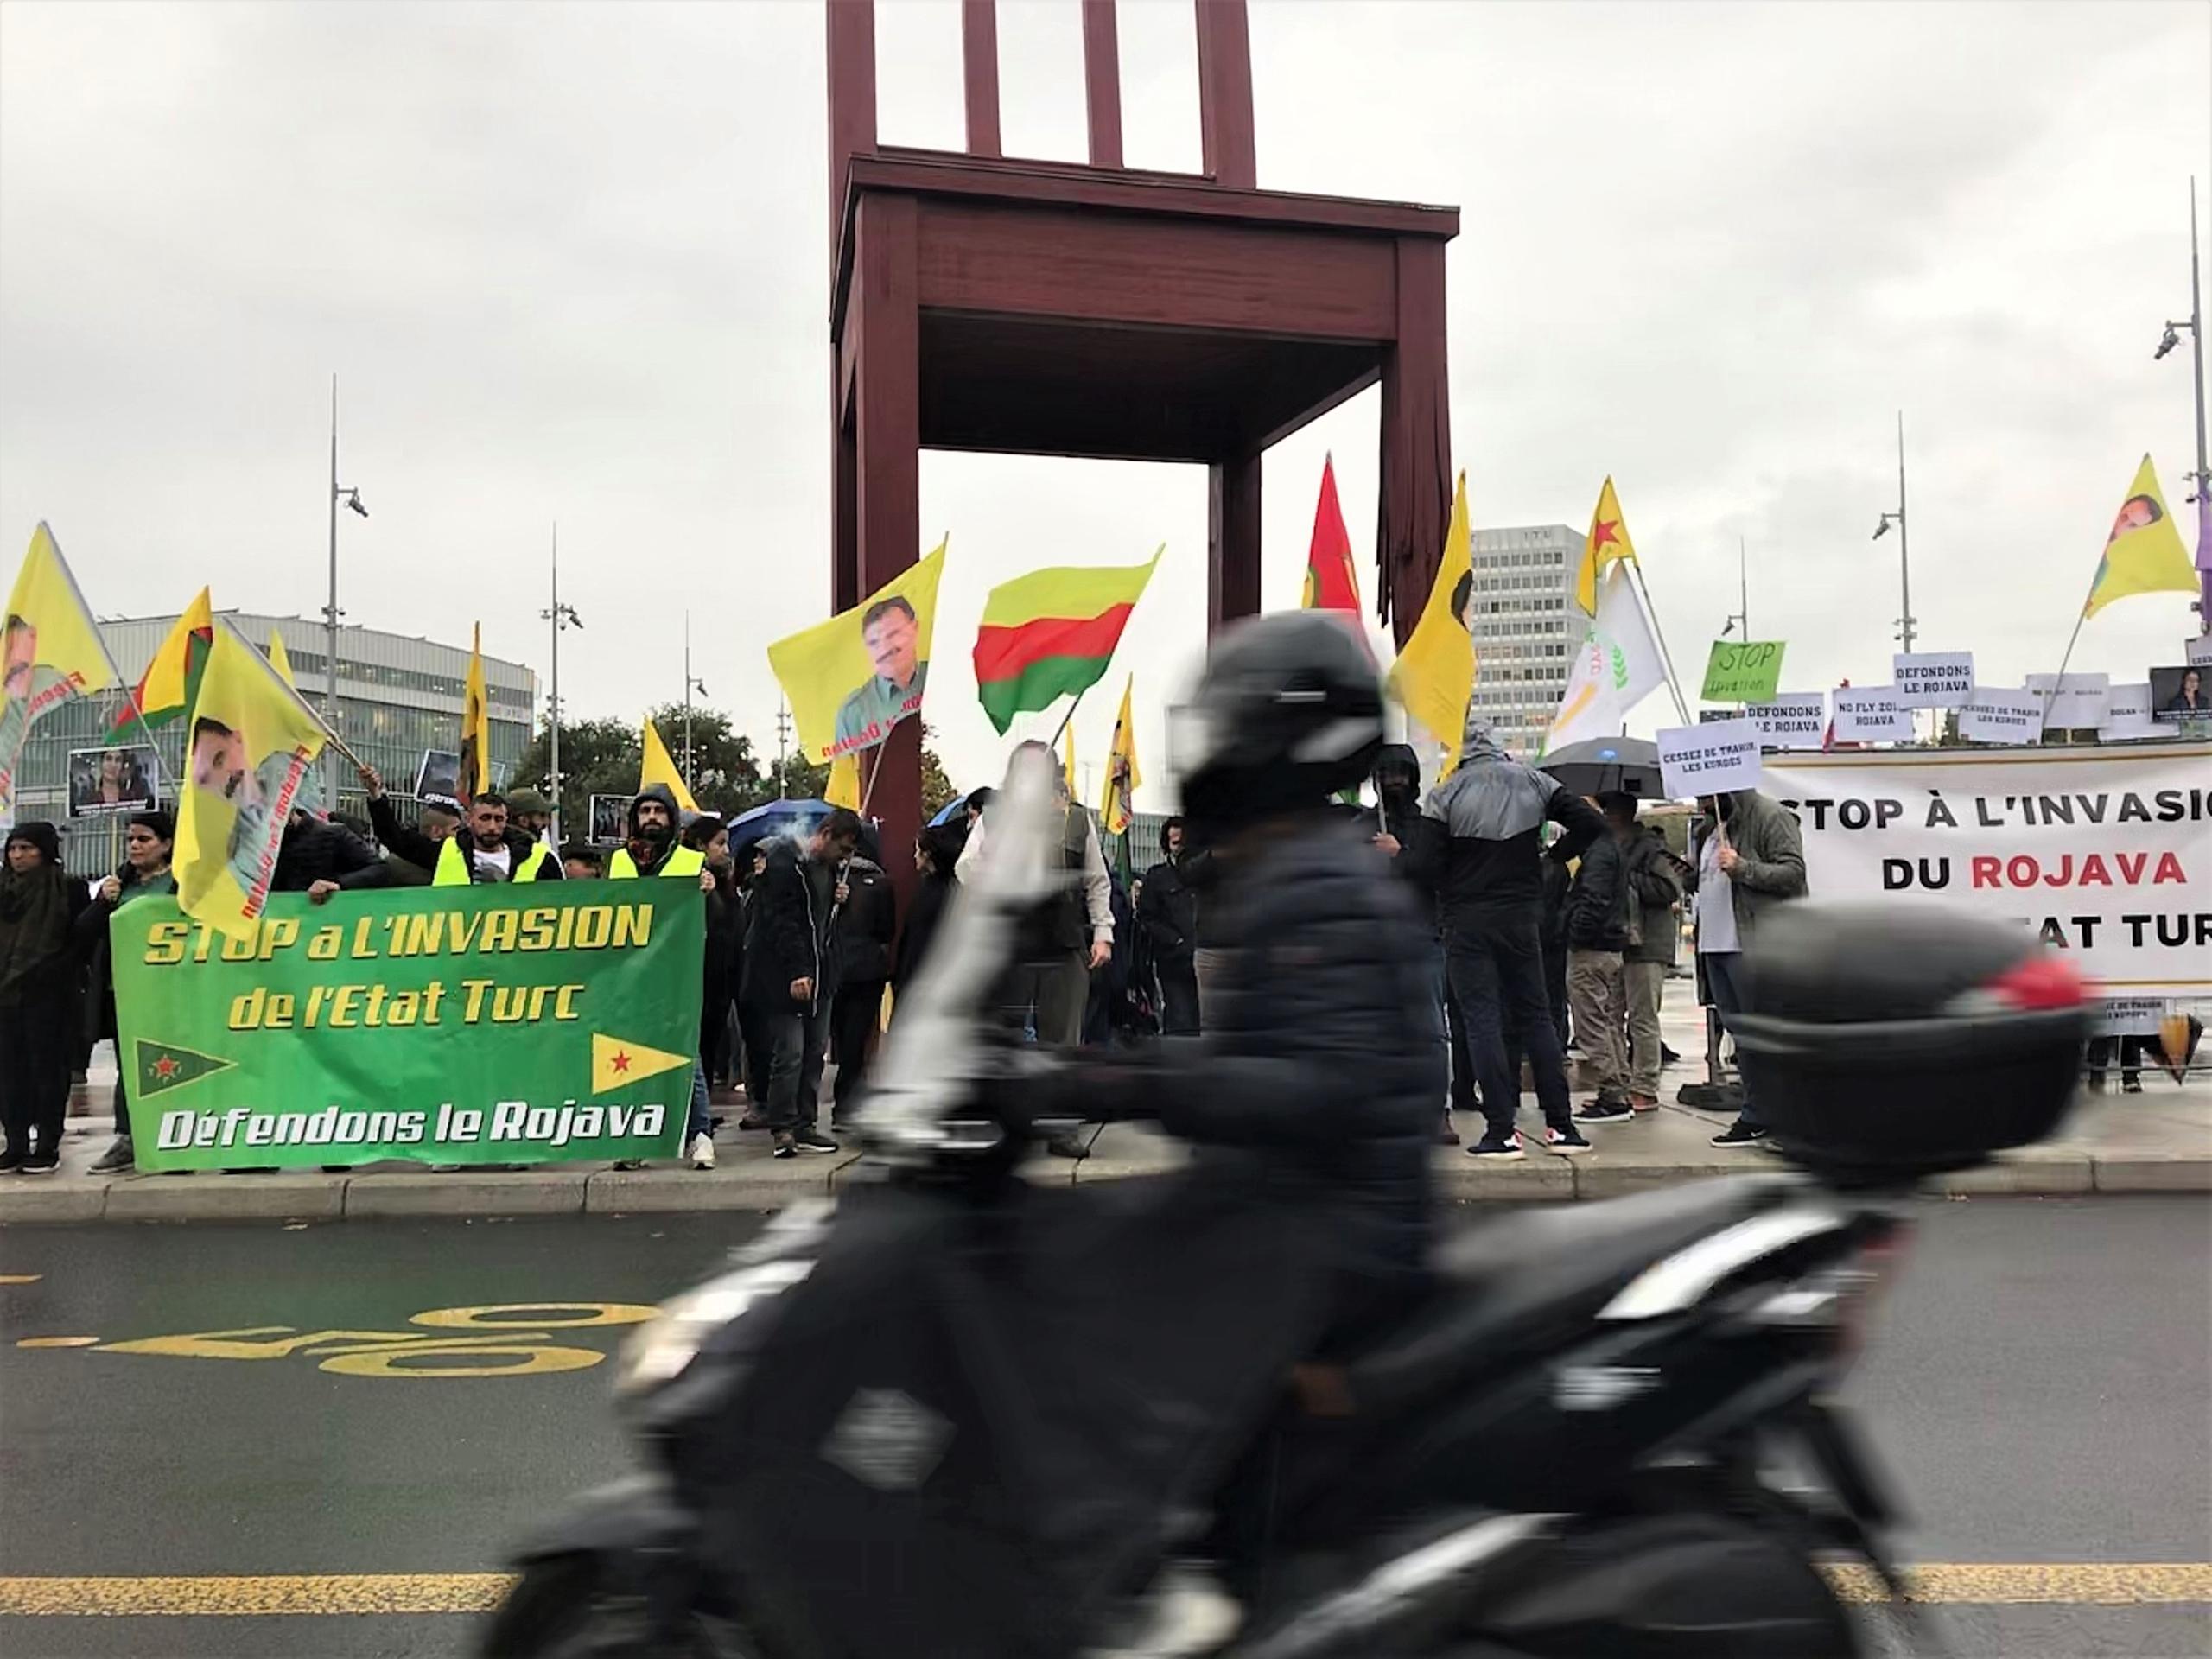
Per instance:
x=598, y=757
x=938, y=791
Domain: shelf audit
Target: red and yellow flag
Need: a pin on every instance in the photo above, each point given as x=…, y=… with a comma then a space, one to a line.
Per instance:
x=1607, y=543
x=1332, y=578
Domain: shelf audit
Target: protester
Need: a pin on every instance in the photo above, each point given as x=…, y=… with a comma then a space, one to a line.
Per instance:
x=1654, y=876
x=315, y=850
x=2131, y=1050
x=39, y=903
x=149, y=845
x=489, y=849
x=438, y=818
x=937, y=850
x=1048, y=987
x=529, y=812
x=1167, y=910
x=1751, y=859
x=867, y=924
x=1112, y=1007
x=1316, y=1087
x=1489, y=890
x=653, y=850
x=708, y=836
x=789, y=956
x=978, y=801
x=1413, y=845
x=581, y=863
x=1599, y=907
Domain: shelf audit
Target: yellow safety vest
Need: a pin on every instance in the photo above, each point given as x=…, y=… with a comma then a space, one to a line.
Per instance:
x=457, y=869
x=682, y=861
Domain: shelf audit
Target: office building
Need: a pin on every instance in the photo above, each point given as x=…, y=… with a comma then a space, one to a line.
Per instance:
x=398, y=698
x=1526, y=627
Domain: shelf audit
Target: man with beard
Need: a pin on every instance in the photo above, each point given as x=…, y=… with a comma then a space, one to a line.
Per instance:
x=488, y=848
x=651, y=849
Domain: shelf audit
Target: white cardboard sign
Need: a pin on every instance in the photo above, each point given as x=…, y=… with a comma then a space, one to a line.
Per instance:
x=1795, y=719
x=1996, y=714
x=2197, y=652
x=1933, y=679
x=2130, y=1016
x=1714, y=758
x=1871, y=713
x=2127, y=714
x=2073, y=701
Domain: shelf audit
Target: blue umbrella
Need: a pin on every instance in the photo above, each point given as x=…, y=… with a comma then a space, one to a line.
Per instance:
x=952, y=810
x=775, y=818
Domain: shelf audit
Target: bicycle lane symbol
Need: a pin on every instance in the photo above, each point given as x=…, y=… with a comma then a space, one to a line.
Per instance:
x=496, y=1339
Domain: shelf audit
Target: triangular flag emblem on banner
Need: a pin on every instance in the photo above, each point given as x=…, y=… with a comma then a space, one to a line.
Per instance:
x=615, y=1064
x=163, y=1066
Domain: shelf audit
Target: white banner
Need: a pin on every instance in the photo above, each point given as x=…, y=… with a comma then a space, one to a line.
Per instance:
x=1795, y=720
x=1715, y=758
x=1994, y=714
x=1932, y=679
x=1871, y=713
x=2106, y=854
x=2130, y=1016
x=2075, y=703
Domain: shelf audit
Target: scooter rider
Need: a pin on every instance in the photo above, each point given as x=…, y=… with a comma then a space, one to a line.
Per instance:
x=1316, y=1083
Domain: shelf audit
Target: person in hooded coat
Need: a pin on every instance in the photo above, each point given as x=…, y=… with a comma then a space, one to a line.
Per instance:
x=790, y=967
x=1489, y=898
x=652, y=850
x=867, y=924
x=39, y=903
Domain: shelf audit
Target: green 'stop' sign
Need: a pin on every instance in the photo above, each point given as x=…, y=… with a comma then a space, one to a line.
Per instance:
x=1742, y=671
x=469, y=1025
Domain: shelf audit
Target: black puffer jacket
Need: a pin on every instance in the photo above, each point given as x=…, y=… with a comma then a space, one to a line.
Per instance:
x=1598, y=905
x=866, y=924
x=1317, y=1082
x=315, y=849
x=788, y=933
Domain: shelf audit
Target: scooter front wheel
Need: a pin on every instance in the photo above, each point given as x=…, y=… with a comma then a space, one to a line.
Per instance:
x=578, y=1606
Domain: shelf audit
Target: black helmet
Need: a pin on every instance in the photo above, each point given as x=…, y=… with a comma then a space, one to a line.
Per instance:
x=1288, y=712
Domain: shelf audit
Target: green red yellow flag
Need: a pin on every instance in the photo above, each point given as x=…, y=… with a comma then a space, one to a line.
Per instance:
x=171, y=682
x=1434, y=674
x=1607, y=543
x=475, y=776
x=1051, y=634
x=1124, y=779
x=246, y=759
x=658, y=766
x=50, y=651
x=2143, y=553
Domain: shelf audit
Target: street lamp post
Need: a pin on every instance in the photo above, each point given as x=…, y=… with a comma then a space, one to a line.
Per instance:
x=1905, y=547
x=561, y=616
x=2202, y=475
x=690, y=686
x=331, y=612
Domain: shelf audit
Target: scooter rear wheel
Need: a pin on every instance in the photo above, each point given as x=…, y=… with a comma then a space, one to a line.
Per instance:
x=574, y=1607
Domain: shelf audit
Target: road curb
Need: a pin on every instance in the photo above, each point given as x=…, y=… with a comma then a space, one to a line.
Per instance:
x=758, y=1186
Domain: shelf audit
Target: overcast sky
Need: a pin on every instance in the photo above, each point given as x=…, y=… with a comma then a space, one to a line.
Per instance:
x=571, y=260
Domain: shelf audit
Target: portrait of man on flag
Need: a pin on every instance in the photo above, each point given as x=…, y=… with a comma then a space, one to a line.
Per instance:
x=851, y=680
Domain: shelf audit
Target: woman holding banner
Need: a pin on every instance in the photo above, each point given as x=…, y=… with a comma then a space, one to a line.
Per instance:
x=145, y=870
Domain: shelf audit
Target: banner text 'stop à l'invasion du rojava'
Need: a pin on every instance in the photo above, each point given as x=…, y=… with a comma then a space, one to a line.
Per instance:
x=452, y=1026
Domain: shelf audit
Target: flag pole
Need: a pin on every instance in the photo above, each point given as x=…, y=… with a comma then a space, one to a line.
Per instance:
x=1651, y=617
x=875, y=768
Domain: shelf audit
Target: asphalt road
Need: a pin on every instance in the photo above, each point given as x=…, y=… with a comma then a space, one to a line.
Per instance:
x=2038, y=1384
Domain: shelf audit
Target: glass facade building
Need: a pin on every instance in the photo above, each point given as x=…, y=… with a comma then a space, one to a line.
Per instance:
x=398, y=696
x=1526, y=626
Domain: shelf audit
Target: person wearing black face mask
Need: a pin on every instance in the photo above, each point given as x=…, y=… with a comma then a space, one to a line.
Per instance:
x=1415, y=846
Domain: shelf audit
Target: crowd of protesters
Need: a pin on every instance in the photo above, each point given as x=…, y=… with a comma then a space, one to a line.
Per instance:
x=1545, y=909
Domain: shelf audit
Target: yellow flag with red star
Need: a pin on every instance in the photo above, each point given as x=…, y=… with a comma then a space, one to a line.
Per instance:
x=1607, y=544
x=615, y=1064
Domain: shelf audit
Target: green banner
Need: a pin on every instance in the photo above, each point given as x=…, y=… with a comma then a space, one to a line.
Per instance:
x=1742, y=671
x=476, y=1025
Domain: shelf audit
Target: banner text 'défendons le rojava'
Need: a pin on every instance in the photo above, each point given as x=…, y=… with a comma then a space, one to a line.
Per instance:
x=451, y=1025
x=2103, y=853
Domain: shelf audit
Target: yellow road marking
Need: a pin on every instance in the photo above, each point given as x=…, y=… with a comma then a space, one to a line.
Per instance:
x=21, y=1278
x=57, y=1342
x=2104, y=1584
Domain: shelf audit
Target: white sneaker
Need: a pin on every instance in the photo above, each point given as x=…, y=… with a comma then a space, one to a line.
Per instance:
x=701, y=1153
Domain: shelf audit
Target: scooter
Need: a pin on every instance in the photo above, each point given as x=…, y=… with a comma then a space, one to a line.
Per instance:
x=910, y=1422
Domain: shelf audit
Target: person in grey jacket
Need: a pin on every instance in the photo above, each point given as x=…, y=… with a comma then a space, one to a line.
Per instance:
x=1654, y=877
x=1752, y=859
x=1600, y=910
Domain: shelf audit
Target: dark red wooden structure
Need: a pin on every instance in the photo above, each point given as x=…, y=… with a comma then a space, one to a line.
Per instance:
x=1036, y=308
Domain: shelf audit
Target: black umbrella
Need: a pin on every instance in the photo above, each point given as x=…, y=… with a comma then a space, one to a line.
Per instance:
x=1598, y=764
